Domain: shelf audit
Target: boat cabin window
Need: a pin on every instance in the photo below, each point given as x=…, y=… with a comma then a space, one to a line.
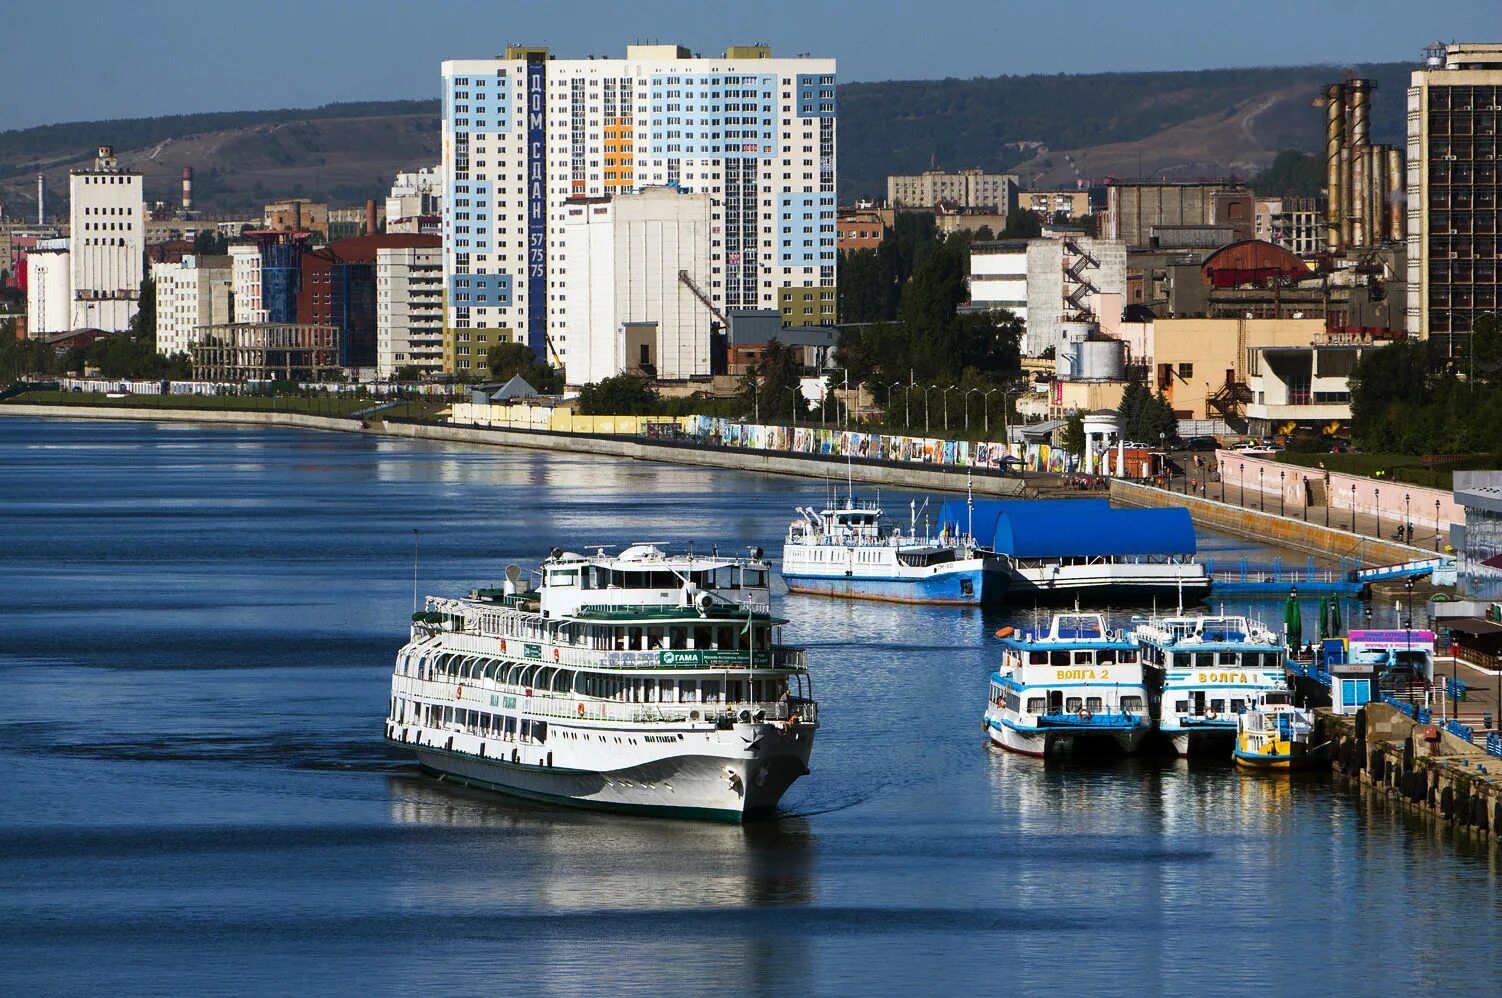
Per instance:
x=1093, y=704
x=1058, y=658
x=1182, y=706
x=1084, y=658
x=754, y=578
x=1277, y=698
x=1133, y=704
x=710, y=690
x=1037, y=658
x=1106, y=656
x=678, y=636
x=1238, y=705
x=1229, y=658
x=563, y=577
x=1204, y=659
x=656, y=636
x=1072, y=705
x=1181, y=660
x=1036, y=705
x=1218, y=705
x=1126, y=656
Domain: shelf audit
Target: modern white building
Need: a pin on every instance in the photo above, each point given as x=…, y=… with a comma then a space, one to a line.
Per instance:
x=414, y=195
x=107, y=231
x=1047, y=282
x=245, y=282
x=524, y=134
x=627, y=298
x=409, y=310
x=49, y=295
x=190, y=294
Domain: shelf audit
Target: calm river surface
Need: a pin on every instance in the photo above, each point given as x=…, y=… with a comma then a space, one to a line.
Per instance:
x=197, y=627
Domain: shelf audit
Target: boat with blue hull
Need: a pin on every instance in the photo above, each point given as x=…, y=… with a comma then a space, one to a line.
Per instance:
x=1076, y=686
x=1205, y=670
x=843, y=550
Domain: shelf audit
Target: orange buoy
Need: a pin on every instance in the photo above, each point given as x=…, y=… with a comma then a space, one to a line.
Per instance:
x=1005, y=632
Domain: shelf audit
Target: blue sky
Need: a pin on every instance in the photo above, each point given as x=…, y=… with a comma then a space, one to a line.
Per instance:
x=70, y=60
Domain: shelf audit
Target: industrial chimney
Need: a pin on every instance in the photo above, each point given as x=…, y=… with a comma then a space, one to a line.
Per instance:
x=187, y=189
x=370, y=216
x=41, y=200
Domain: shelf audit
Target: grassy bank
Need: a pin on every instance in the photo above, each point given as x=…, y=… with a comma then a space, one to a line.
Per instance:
x=1408, y=468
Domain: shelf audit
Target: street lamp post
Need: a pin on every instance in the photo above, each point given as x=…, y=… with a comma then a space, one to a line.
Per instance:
x=1353, y=508
x=1241, y=479
x=1261, y=492
x=1377, y=511
x=927, y=390
x=1407, y=519
x=951, y=388
x=1282, y=492
x=967, y=408
x=1163, y=449
x=1436, y=551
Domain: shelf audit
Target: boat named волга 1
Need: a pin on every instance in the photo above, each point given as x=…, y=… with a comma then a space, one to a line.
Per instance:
x=646, y=682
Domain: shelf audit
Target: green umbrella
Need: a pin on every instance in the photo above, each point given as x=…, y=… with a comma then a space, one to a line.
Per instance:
x=1324, y=617
x=1335, y=616
x=1293, y=622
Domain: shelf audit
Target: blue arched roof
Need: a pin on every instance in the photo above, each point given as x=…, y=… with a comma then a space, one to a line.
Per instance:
x=1072, y=528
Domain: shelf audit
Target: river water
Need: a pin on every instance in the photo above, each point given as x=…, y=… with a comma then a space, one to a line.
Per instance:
x=196, y=632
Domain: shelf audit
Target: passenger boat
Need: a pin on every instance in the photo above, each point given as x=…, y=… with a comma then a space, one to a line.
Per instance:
x=842, y=550
x=1074, y=686
x=647, y=682
x=1274, y=735
x=1205, y=670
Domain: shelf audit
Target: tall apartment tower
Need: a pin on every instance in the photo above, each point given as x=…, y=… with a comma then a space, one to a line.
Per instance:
x=1454, y=191
x=107, y=244
x=526, y=133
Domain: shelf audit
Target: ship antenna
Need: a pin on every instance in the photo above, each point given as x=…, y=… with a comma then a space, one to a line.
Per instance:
x=969, y=506
x=1178, y=578
x=416, y=534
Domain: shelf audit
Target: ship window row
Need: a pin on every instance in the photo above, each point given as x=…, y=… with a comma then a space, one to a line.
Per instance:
x=1094, y=656
x=475, y=722
x=543, y=678
x=1218, y=705
x=1231, y=659
x=1073, y=705
x=599, y=577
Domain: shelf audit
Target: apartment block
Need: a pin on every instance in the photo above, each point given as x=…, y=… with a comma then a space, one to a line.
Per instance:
x=526, y=134
x=1454, y=191
x=409, y=310
x=190, y=294
x=972, y=188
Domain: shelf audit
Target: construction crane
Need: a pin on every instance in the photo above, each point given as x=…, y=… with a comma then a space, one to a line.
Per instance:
x=704, y=298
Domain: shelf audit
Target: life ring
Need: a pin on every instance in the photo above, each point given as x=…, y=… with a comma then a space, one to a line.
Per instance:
x=581, y=710
x=1084, y=714
x=1005, y=632
x=555, y=654
x=1211, y=714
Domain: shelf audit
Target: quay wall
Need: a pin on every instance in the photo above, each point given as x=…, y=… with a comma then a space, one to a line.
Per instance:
x=1270, y=528
x=928, y=478
x=1432, y=771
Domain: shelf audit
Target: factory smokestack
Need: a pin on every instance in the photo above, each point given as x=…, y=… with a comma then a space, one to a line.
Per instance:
x=187, y=188
x=370, y=216
x=1335, y=142
x=41, y=200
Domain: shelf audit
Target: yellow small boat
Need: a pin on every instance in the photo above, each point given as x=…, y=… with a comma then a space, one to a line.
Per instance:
x=1274, y=735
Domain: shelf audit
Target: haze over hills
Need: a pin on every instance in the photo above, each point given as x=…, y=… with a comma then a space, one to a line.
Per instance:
x=1050, y=129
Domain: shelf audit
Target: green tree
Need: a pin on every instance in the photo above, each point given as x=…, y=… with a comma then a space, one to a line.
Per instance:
x=507, y=360
x=1022, y=224
x=770, y=390
x=621, y=395
x=410, y=373
x=143, y=323
x=1073, y=437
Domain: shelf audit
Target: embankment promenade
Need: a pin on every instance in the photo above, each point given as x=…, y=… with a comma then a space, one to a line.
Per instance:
x=884, y=473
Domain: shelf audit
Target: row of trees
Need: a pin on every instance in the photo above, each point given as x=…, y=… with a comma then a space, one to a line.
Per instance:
x=1414, y=397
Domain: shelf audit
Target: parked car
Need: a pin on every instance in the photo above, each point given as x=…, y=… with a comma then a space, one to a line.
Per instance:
x=1201, y=443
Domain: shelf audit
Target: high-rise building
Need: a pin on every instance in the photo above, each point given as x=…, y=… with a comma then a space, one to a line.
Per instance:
x=190, y=295
x=409, y=309
x=524, y=134
x=107, y=244
x=245, y=280
x=1454, y=191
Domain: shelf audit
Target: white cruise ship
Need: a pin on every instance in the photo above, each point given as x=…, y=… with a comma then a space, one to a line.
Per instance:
x=646, y=682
